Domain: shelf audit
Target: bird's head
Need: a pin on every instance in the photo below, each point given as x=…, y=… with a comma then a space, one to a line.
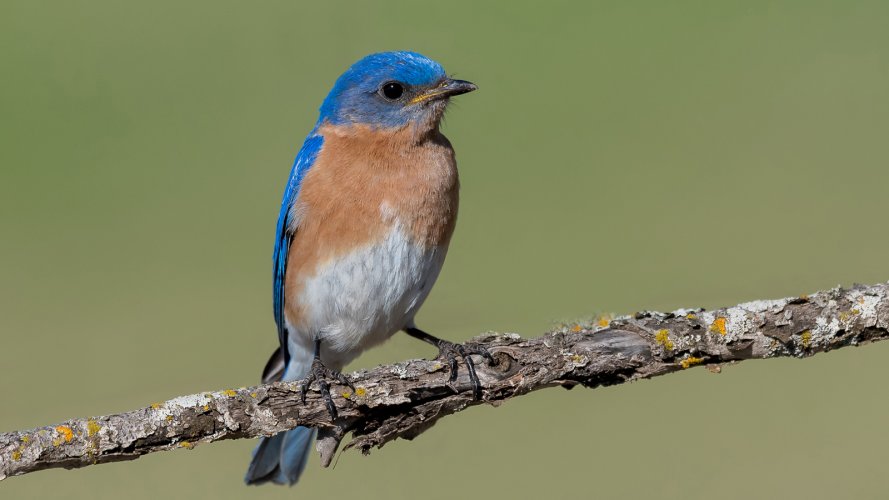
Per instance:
x=392, y=90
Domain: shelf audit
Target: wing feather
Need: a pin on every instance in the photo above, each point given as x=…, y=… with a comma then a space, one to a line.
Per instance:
x=286, y=231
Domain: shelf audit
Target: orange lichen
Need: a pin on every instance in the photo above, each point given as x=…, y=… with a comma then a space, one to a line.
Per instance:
x=230, y=393
x=718, y=326
x=186, y=444
x=155, y=406
x=576, y=328
x=66, y=433
x=360, y=392
x=604, y=320
x=205, y=407
x=691, y=316
x=17, y=455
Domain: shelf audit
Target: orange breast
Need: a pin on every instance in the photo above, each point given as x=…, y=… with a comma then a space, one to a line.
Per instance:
x=363, y=181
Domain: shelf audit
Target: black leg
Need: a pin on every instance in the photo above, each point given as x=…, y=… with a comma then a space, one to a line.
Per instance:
x=322, y=374
x=450, y=351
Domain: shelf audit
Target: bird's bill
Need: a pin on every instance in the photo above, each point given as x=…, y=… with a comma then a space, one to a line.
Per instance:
x=447, y=88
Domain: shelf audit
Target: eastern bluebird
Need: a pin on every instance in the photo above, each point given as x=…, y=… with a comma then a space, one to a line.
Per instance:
x=363, y=230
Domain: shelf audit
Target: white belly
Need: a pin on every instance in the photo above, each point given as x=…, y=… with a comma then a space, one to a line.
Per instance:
x=360, y=300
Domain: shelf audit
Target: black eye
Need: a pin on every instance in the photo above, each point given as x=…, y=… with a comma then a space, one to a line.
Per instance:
x=392, y=90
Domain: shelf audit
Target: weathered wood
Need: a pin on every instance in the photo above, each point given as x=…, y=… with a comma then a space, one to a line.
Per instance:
x=405, y=399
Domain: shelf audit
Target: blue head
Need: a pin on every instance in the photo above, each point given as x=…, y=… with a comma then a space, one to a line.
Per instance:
x=391, y=89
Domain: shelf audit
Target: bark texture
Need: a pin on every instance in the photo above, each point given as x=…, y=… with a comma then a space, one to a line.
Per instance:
x=404, y=399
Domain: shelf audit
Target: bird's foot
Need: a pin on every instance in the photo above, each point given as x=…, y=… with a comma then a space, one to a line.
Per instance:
x=324, y=376
x=449, y=352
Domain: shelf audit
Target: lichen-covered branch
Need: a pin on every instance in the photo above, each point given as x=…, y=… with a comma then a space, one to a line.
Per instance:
x=405, y=399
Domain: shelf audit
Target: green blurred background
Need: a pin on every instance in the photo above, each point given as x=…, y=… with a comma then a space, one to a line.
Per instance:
x=619, y=156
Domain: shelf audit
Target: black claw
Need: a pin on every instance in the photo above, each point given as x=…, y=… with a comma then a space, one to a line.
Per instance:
x=488, y=357
x=322, y=374
x=328, y=400
x=473, y=377
x=344, y=380
x=450, y=352
x=452, y=364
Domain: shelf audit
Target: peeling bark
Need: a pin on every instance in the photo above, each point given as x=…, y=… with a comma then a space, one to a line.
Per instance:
x=404, y=399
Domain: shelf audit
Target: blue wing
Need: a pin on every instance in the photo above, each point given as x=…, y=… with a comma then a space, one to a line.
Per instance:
x=284, y=233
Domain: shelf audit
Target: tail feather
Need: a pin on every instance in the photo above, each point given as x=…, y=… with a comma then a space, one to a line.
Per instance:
x=281, y=458
x=295, y=452
x=274, y=367
x=265, y=459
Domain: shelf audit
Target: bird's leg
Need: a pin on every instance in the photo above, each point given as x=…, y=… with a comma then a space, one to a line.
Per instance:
x=450, y=351
x=322, y=375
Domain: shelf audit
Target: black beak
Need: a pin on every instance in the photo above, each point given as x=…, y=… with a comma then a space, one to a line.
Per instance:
x=446, y=89
x=457, y=87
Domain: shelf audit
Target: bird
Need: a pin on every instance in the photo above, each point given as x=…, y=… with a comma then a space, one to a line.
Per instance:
x=364, y=227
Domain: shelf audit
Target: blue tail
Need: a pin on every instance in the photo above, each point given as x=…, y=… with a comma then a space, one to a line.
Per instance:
x=282, y=457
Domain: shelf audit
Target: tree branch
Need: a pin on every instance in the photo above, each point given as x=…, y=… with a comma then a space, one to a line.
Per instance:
x=405, y=399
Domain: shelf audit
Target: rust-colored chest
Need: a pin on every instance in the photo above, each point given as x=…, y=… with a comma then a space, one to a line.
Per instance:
x=365, y=180
x=364, y=183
